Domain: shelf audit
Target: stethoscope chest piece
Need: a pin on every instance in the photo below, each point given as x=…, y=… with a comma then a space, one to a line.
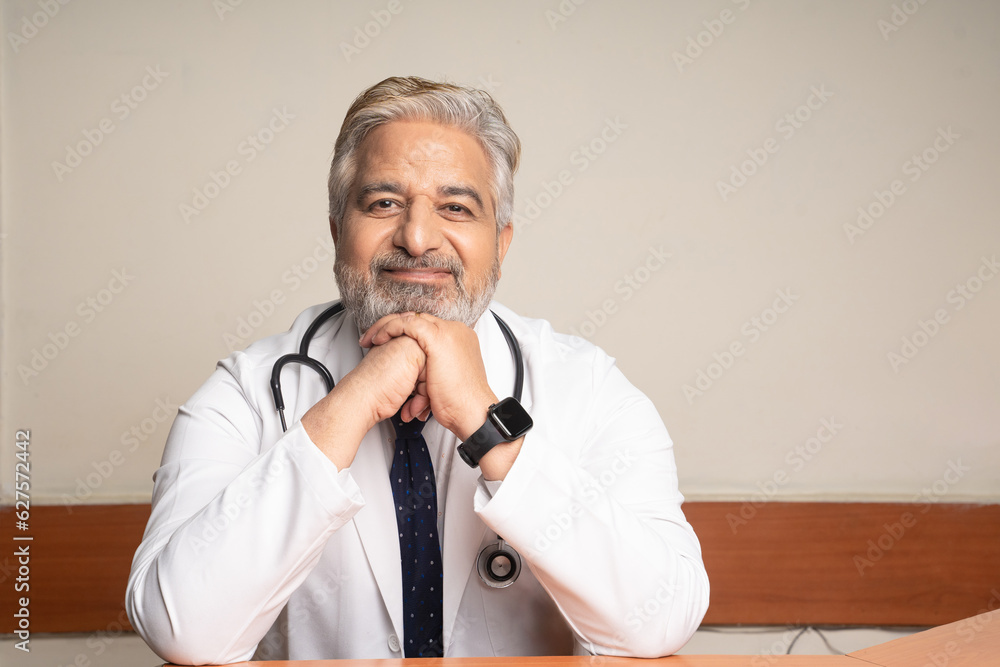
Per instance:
x=499, y=565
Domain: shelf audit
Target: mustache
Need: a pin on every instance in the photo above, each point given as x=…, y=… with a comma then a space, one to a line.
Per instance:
x=403, y=260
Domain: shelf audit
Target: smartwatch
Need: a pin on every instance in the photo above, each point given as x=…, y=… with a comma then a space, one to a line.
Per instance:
x=506, y=421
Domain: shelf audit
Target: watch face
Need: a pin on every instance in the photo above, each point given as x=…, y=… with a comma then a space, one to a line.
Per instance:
x=511, y=419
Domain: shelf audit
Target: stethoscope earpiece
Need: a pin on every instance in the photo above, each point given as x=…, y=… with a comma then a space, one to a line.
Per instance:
x=499, y=565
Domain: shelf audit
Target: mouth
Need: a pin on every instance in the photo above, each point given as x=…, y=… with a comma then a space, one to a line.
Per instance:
x=419, y=275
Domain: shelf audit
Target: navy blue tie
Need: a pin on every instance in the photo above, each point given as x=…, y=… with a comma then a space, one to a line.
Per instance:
x=415, y=494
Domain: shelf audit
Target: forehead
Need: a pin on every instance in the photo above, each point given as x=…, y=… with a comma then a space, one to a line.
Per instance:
x=422, y=150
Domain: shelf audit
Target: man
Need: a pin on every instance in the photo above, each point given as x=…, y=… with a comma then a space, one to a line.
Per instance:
x=361, y=532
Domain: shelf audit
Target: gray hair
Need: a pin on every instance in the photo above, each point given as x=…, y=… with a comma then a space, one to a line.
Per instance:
x=412, y=98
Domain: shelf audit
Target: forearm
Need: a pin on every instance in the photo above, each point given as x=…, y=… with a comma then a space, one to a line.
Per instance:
x=339, y=421
x=625, y=572
x=207, y=582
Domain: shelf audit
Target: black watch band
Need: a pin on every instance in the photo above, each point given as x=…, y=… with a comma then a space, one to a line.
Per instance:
x=506, y=421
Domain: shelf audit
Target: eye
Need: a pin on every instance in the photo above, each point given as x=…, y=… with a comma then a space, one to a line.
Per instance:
x=382, y=207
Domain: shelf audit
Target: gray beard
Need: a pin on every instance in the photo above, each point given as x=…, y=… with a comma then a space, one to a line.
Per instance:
x=370, y=297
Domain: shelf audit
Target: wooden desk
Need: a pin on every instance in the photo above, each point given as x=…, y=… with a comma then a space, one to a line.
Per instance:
x=971, y=642
x=585, y=661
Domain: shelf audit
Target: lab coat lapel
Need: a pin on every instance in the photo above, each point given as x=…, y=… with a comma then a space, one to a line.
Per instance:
x=463, y=529
x=376, y=524
x=376, y=521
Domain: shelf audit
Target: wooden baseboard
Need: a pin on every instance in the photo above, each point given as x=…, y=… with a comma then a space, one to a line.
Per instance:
x=774, y=564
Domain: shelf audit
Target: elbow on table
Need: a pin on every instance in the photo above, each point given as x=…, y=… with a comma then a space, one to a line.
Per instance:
x=662, y=626
x=182, y=643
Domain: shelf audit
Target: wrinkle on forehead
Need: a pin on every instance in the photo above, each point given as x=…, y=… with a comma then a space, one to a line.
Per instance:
x=430, y=155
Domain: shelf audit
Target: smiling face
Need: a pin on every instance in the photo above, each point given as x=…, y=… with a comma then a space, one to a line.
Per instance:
x=419, y=232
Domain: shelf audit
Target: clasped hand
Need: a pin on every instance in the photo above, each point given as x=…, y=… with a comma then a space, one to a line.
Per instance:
x=418, y=364
x=425, y=364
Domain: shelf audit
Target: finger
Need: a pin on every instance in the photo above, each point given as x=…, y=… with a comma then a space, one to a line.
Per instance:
x=414, y=407
x=417, y=326
x=366, y=337
x=420, y=402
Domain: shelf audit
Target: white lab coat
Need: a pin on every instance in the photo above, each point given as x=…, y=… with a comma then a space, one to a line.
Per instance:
x=258, y=546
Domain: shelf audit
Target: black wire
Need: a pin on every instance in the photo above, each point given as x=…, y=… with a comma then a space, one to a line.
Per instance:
x=829, y=647
x=795, y=639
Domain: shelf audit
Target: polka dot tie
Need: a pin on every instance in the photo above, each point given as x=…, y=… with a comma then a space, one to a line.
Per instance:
x=415, y=494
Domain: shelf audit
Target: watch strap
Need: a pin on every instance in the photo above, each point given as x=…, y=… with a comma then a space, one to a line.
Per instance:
x=479, y=443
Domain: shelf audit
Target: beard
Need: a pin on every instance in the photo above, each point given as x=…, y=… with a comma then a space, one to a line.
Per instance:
x=370, y=296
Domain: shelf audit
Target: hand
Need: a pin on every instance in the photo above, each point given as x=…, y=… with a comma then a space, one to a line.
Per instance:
x=452, y=383
x=373, y=391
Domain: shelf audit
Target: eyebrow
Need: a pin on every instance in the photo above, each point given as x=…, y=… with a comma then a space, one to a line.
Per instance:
x=384, y=186
x=462, y=191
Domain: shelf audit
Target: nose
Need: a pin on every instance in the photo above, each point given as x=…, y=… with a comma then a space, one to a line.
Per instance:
x=419, y=229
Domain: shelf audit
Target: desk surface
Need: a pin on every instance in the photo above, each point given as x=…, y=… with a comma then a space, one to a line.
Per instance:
x=971, y=642
x=586, y=661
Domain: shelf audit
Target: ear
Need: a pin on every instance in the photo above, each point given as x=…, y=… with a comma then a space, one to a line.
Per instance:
x=503, y=241
x=333, y=231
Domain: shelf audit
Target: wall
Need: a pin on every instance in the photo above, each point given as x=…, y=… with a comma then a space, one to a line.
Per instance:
x=779, y=216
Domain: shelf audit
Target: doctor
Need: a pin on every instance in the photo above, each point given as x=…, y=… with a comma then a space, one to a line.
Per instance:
x=417, y=508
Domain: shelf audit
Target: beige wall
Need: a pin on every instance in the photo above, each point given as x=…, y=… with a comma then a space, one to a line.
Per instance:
x=663, y=133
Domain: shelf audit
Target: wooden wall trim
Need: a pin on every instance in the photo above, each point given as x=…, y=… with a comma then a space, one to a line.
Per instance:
x=848, y=563
x=781, y=563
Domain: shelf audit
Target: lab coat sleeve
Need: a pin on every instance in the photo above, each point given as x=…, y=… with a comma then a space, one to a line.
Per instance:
x=233, y=531
x=599, y=522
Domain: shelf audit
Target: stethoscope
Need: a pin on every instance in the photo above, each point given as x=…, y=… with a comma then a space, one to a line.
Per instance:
x=499, y=564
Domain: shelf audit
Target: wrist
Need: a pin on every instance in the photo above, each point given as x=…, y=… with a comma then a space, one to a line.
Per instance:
x=501, y=432
x=337, y=424
x=497, y=462
x=475, y=416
